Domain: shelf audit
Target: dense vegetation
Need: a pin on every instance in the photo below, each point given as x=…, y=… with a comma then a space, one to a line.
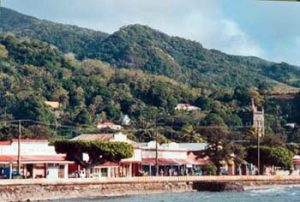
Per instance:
x=136, y=71
x=140, y=47
x=66, y=37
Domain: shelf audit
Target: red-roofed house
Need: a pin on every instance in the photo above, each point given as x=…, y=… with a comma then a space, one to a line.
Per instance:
x=37, y=159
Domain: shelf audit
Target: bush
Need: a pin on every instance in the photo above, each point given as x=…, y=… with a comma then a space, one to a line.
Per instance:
x=209, y=169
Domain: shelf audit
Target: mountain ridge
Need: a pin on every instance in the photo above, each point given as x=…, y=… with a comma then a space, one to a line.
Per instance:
x=142, y=47
x=66, y=37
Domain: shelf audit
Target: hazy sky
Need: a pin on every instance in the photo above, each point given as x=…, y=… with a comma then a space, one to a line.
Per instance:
x=246, y=27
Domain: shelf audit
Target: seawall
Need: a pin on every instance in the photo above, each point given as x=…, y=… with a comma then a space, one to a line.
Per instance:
x=44, y=189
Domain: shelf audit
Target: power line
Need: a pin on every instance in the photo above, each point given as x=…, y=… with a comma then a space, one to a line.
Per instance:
x=42, y=123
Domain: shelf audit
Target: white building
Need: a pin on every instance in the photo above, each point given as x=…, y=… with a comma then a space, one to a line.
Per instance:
x=126, y=167
x=125, y=120
x=108, y=125
x=186, y=107
x=37, y=159
x=171, y=158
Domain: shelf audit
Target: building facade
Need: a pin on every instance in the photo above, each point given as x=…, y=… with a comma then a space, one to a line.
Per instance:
x=172, y=158
x=29, y=158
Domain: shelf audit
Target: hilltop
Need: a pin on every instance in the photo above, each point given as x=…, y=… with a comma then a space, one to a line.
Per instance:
x=147, y=49
x=68, y=38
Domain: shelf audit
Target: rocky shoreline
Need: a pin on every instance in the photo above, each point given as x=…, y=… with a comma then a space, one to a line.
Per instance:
x=42, y=189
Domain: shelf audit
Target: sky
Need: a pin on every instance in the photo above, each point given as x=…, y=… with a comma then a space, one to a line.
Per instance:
x=266, y=29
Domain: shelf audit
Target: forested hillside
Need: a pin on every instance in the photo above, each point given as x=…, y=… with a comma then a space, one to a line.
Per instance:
x=67, y=38
x=147, y=49
x=137, y=71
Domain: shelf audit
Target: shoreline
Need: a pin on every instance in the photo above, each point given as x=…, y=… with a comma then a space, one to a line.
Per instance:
x=246, y=188
x=255, y=187
x=63, y=189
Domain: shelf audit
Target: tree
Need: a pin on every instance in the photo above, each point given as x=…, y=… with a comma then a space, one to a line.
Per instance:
x=34, y=108
x=190, y=135
x=98, y=151
x=39, y=132
x=214, y=119
x=270, y=156
x=3, y=52
x=209, y=169
x=84, y=117
x=274, y=140
x=220, y=147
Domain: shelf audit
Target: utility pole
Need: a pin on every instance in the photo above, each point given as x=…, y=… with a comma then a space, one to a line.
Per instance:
x=258, y=152
x=19, y=146
x=156, y=148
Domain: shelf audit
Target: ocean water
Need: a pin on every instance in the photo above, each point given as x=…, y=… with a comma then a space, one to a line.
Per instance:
x=272, y=194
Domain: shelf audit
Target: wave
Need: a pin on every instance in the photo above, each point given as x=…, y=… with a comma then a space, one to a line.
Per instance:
x=271, y=190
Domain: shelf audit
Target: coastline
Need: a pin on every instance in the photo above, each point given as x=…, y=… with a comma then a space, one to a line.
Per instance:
x=259, y=187
x=43, y=189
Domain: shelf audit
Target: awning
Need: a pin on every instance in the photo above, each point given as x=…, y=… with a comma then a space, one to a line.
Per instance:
x=296, y=161
x=109, y=164
x=6, y=159
x=170, y=162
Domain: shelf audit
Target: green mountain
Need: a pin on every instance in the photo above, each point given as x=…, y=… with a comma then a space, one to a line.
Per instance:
x=138, y=46
x=67, y=38
x=137, y=71
x=141, y=47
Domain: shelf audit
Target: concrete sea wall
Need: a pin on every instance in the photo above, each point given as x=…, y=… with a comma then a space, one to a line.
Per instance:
x=43, y=189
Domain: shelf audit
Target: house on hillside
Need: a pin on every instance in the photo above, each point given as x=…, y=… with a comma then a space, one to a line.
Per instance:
x=186, y=107
x=108, y=125
x=125, y=120
x=291, y=125
x=55, y=108
x=52, y=104
x=37, y=159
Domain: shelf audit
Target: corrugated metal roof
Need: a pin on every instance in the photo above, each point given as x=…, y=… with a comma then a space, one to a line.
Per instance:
x=100, y=137
x=91, y=137
x=193, y=146
x=170, y=161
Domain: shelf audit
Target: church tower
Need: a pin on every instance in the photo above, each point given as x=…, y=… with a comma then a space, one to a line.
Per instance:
x=258, y=119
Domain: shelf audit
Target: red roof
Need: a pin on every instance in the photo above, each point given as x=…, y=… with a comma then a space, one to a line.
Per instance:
x=107, y=124
x=109, y=163
x=196, y=160
x=296, y=161
x=29, y=140
x=5, y=142
x=6, y=158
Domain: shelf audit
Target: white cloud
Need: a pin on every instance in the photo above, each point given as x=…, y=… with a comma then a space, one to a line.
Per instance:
x=235, y=41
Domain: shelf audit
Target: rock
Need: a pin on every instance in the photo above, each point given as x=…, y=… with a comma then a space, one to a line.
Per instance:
x=218, y=186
